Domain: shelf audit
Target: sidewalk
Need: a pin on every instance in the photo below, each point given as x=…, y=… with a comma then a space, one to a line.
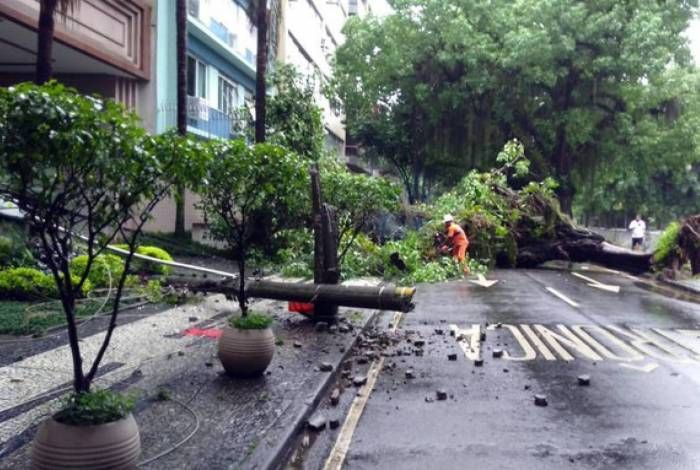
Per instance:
x=188, y=407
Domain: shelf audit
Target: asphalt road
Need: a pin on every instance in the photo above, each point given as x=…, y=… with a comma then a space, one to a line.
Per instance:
x=641, y=410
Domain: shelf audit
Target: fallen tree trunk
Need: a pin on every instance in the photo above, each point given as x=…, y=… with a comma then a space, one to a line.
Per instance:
x=689, y=242
x=387, y=297
x=579, y=245
x=542, y=233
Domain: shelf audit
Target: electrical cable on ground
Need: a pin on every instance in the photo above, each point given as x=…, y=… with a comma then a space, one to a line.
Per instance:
x=182, y=442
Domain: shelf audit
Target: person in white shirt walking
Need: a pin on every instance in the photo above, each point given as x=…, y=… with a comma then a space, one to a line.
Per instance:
x=638, y=228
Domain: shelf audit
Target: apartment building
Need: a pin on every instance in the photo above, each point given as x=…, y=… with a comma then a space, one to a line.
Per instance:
x=221, y=57
x=126, y=50
x=309, y=35
x=104, y=47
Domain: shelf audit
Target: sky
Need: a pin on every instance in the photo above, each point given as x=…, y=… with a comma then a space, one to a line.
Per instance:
x=693, y=33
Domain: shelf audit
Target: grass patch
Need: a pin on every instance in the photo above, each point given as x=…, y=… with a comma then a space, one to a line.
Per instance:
x=16, y=320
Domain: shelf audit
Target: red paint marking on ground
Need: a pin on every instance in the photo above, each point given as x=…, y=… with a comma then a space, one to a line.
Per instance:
x=301, y=307
x=206, y=332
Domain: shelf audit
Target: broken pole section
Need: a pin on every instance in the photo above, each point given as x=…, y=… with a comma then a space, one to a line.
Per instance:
x=326, y=269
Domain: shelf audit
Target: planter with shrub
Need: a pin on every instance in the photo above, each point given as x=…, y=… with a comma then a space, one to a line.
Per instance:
x=247, y=345
x=93, y=430
x=244, y=184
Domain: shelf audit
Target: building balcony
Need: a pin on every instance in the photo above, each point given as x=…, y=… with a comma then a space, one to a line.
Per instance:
x=97, y=37
x=203, y=120
x=224, y=42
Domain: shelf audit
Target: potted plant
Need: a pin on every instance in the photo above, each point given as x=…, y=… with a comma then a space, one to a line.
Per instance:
x=247, y=345
x=84, y=173
x=243, y=186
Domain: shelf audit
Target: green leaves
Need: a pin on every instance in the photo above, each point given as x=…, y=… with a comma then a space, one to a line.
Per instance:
x=437, y=88
x=96, y=407
x=251, y=321
x=294, y=121
x=356, y=196
x=80, y=166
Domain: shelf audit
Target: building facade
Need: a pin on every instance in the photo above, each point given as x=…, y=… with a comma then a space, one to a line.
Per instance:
x=126, y=50
x=309, y=35
x=221, y=57
x=103, y=47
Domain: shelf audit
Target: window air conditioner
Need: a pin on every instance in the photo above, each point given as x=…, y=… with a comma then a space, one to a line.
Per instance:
x=197, y=108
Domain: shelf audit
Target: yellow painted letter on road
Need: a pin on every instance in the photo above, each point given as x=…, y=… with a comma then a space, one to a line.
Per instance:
x=528, y=352
x=568, y=339
x=603, y=334
x=541, y=347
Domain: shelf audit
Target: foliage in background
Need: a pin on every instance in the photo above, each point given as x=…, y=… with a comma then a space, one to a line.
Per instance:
x=437, y=88
x=13, y=246
x=657, y=170
x=149, y=267
x=243, y=184
x=95, y=407
x=356, y=198
x=106, y=269
x=294, y=120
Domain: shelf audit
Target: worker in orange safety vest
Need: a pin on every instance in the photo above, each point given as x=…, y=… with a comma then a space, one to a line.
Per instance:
x=457, y=241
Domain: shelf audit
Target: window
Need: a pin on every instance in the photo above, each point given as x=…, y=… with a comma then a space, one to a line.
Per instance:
x=193, y=8
x=228, y=96
x=196, y=77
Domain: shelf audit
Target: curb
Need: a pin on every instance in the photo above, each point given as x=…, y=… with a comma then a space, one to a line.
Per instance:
x=272, y=457
x=679, y=286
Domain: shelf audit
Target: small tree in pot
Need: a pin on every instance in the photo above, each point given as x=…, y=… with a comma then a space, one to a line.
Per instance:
x=243, y=183
x=84, y=173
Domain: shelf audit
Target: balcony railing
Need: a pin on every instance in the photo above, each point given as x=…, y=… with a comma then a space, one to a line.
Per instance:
x=204, y=120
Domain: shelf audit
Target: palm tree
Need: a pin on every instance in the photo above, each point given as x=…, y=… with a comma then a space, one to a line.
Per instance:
x=181, y=51
x=47, y=11
x=259, y=16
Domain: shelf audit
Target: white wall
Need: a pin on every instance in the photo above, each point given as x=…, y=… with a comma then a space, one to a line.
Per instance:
x=234, y=18
x=313, y=33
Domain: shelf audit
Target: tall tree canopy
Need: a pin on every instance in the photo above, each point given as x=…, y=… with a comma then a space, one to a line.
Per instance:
x=439, y=86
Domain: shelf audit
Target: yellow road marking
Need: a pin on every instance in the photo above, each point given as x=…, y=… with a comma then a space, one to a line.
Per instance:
x=342, y=444
x=645, y=368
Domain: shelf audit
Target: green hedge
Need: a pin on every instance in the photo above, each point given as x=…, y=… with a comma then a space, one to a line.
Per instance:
x=148, y=267
x=104, y=268
x=31, y=284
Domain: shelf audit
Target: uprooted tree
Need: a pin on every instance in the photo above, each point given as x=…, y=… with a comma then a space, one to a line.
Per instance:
x=525, y=227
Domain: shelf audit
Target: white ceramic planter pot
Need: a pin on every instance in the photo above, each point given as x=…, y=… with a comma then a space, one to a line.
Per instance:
x=246, y=353
x=101, y=446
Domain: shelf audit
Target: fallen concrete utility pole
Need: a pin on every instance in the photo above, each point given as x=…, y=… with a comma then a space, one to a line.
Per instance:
x=386, y=297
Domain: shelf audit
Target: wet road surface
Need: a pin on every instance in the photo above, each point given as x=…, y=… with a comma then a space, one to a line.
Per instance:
x=640, y=411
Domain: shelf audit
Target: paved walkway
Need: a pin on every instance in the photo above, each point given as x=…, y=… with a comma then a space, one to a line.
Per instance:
x=231, y=419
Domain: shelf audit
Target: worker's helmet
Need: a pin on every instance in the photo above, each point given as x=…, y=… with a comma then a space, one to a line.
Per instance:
x=447, y=218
